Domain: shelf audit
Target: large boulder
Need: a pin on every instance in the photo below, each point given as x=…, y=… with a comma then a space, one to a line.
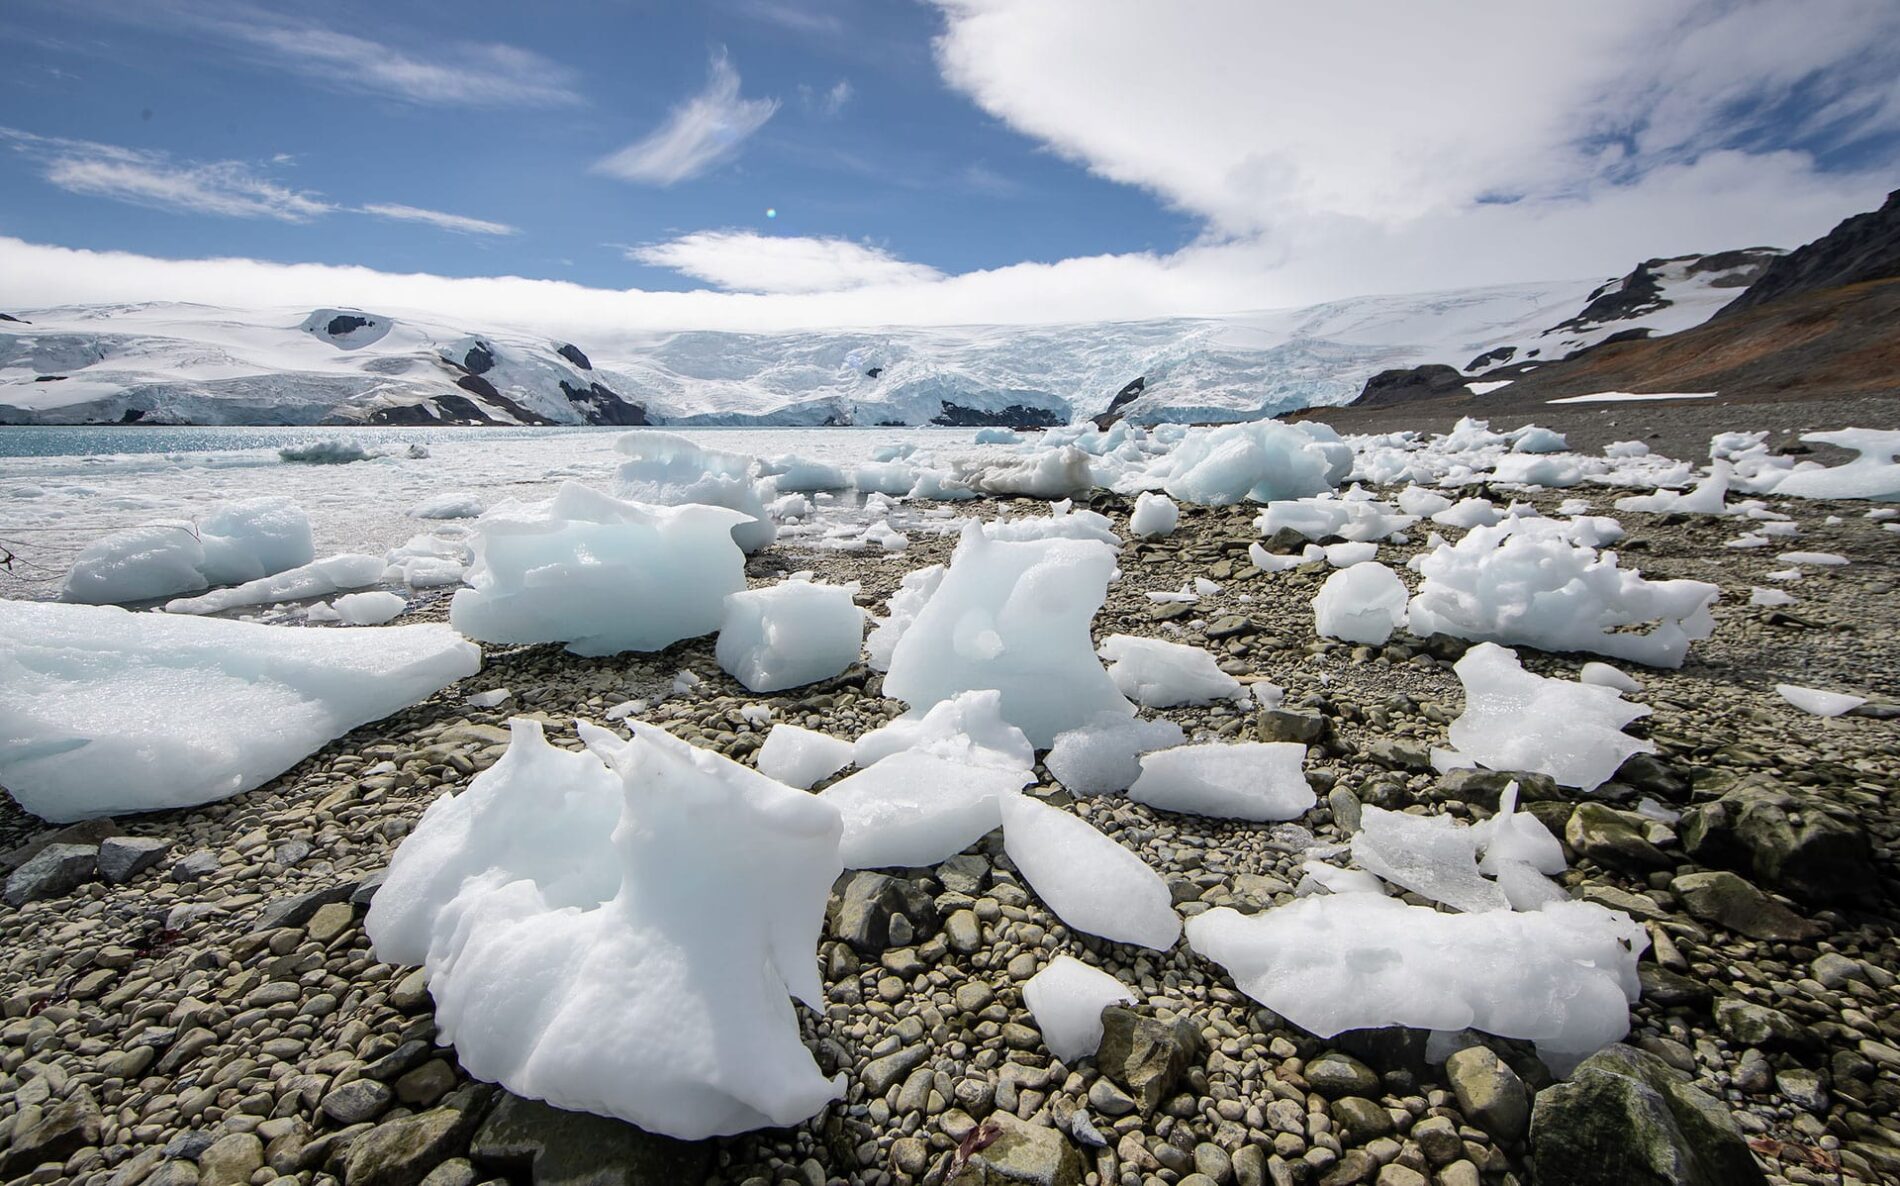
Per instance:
x=1725, y=899
x=530, y=1141
x=1489, y=1092
x=53, y=872
x=1808, y=849
x=52, y=1136
x=874, y=911
x=1626, y=1118
x=1005, y=1151
x=1147, y=1055
x=403, y=1151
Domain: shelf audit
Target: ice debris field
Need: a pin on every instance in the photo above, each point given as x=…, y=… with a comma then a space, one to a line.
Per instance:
x=544, y=901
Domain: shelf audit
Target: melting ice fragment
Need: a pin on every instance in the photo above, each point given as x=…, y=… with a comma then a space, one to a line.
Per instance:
x=789, y=634
x=1092, y=883
x=1067, y=998
x=200, y=708
x=1517, y=720
x=799, y=757
x=236, y=542
x=1249, y=780
x=1160, y=674
x=618, y=932
x=1104, y=755
x=1363, y=604
x=1818, y=702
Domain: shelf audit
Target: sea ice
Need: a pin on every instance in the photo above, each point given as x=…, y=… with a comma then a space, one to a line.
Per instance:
x=1563, y=976
x=1519, y=721
x=919, y=807
x=599, y=574
x=456, y=504
x=1061, y=472
x=1818, y=702
x=319, y=578
x=799, y=757
x=1162, y=674
x=236, y=542
x=792, y=474
x=107, y=711
x=1155, y=516
x=369, y=609
x=789, y=634
x=1103, y=756
x=535, y=898
x=1258, y=460
x=1364, y=604
x=913, y=590
x=1013, y=616
x=1093, y=884
x=1538, y=582
x=1067, y=998
x=1434, y=856
x=325, y=451
x=1249, y=780
x=668, y=470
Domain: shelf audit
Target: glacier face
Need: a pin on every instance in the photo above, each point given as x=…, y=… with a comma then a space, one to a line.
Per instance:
x=165, y=362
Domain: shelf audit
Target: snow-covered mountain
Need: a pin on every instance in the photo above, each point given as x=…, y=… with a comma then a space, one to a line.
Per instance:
x=177, y=363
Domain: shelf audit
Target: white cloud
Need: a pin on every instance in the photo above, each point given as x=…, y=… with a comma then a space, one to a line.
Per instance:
x=699, y=134
x=230, y=188
x=743, y=261
x=446, y=73
x=460, y=224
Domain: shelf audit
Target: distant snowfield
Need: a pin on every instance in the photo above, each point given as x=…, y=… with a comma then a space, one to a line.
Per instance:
x=1630, y=397
x=165, y=362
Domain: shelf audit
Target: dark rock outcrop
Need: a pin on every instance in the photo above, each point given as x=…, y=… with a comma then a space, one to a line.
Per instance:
x=533, y=1142
x=1795, y=844
x=479, y=360
x=15, y=320
x=1130, y=392
x=874, y=911
x=600, y=404
x=1492, y=358
x=345, y=323
x=1862, y=248
x=572, y=353
x=873, y=372
x=1013, y=416
x=1404, y=385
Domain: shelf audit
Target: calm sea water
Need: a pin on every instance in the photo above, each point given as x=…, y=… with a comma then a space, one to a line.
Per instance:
x=82, y=440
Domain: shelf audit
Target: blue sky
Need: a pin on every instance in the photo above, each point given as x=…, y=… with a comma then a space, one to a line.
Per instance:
x=866, y=141
x=930, y=161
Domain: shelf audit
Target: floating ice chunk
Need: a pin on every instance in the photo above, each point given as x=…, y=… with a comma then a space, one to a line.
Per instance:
x=1818, y=702
x=325, y=451
x=1537, y=582
x=1605, y=676
x=236, y=542
x=1434, y=856
x=369, y=609
x=1705, y=499
x=895, y=478
x=918, y=808
x=1364, y=603
x=1874, y=473
x=800, y=757
x=1250, y=780
x=668, y=470
x=319, y=578
x=998, y=436
x=456, y=504
x=599, y=574
x=1318, y=876
x=427, y=562
x=1348, y=554
x=1067, y=998
x=1259, y=460
x=1161, y=674
x=1103, y=756
x=792, y=474
x=968, y=727
x=1816, y=559
x=789, y=634
x=1518, y=720
x=1049, y=474
x=105, y=711
x=1155, y=516
x=913, y=591
x=1093, y=884
x=535, y=898
x=1013, y=616
x=1563, y=977
x=939, y=485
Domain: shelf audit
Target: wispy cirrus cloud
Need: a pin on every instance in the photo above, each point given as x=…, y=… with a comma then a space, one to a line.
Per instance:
x=228, y=189
x=700, y=134
x=745, y=261
x=233, y=189
x=459, y=224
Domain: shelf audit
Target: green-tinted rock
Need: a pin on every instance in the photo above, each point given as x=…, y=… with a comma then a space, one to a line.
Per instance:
x=1610, y=839
x=1489, y=1092
x=1005, y=1151
x=1727, y=900
x=1625, y=1118
x=1798, y=845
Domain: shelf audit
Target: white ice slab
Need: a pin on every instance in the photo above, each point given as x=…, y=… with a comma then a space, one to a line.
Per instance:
x=1093, y=884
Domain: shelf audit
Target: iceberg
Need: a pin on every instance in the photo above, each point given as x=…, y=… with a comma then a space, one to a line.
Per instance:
x=200, y=708
x=599, y=574
x=621, y=931
x=1259, y=460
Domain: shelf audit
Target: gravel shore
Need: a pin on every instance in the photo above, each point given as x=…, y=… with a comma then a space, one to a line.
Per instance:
x=210, y=1012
